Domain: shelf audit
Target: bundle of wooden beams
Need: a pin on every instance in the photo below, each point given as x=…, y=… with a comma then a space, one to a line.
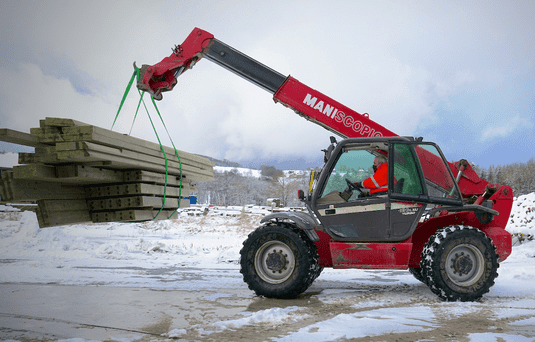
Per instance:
x=81, y=173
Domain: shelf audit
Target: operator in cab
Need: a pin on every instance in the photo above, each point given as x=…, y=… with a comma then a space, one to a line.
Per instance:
x=377, y=184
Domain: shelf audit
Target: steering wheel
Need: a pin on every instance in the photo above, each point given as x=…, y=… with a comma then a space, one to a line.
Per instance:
x=352, y=186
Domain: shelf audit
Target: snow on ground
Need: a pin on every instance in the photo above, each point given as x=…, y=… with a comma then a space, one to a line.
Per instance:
x=197, y=252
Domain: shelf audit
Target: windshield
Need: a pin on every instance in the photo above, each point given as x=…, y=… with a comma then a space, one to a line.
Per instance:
x=355, y=165
x=438, y=178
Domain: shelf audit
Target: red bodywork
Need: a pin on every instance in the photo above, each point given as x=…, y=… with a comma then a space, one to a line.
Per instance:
x=334, y=116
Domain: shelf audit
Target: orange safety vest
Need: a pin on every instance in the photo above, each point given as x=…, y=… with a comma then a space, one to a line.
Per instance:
x=379, y=181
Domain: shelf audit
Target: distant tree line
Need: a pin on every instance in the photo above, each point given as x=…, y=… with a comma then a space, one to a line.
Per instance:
x=231, y=188
x=219, y=162
x=519, y=176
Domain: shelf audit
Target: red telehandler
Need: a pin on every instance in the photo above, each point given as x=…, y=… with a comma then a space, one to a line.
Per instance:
x=438, y=219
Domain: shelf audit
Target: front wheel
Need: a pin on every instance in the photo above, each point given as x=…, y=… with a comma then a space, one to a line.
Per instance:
x=278, y=261
x=459, y=263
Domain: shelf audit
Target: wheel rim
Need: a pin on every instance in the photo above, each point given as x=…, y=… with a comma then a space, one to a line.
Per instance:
x=274, y=262
x=465, y=265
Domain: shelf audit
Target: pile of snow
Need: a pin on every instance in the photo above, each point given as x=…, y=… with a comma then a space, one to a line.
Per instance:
x=271, y=317
x=521, y=222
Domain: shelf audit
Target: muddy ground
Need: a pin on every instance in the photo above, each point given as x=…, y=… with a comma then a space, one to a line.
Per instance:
x=30, y=312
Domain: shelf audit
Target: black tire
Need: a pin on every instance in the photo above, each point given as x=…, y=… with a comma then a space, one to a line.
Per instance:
x=317, y=272
x=459, y=263
x=417, y=273
x=279, y=261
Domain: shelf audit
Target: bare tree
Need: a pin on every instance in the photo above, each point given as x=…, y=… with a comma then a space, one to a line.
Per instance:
x=520, y=176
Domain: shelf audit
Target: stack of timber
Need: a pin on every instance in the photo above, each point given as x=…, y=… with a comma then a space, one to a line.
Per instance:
x=81, y=173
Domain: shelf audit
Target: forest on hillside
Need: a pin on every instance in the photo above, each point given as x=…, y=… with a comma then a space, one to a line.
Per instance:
x=519, y=176
x=232, y=188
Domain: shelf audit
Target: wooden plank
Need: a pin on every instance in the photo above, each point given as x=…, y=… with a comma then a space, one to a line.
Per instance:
x=117, y=142
x=131, y=202
x=116, y=139
x=136, y=153
x=78, y=131
x=95, y=175
x=59, y=218
x=116, y=154
x=48, y=205
x=113, y=162
x=33, y=158
x=19, y=138
x=49, y=138
x=45, y=150
x=86, y=175
x=119, y=162
x=26, y=158
x=133, y=215
x=143, y=176
x=3, y=190
x=73, y=173
x=35, y=172
x=61, y=122
x=7, y=186
x=45, y=130
x=44, y=158
x=134, y=189
x=29, y=190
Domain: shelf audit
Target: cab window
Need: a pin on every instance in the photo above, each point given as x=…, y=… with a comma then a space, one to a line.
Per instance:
x=406, y=173
x=438, y=177
x=355, y=165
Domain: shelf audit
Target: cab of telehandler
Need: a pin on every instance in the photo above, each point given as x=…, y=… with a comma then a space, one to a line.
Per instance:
x=347, y=214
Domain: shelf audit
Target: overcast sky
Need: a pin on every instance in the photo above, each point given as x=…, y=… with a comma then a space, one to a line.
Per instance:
x=460, y=73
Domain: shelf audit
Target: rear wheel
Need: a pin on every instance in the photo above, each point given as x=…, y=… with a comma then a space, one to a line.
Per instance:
x=279, y=261
x=459, y=263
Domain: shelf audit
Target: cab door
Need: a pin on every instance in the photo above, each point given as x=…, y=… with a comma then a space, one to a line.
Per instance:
x=420, y=176
x=407, y=191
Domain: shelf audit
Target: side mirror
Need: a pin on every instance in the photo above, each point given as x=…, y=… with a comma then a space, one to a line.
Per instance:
x=301, y=195
x=329, y=150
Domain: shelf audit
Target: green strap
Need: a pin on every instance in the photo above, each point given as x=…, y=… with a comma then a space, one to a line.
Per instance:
x=141, y=93
x=176, y=153
x=134, y=76
x=164, y=155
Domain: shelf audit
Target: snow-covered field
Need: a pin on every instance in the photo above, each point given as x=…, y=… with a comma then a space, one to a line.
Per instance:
x=202, y=252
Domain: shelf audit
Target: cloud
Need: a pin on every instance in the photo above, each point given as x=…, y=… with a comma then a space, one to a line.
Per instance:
x=63, y=67
x=42, y=96
x=513, y=125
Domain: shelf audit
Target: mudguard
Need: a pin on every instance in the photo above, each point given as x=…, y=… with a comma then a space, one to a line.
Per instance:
x=301, y=219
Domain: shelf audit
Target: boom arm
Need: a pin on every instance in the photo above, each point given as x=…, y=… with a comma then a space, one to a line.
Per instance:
x=305, y=101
